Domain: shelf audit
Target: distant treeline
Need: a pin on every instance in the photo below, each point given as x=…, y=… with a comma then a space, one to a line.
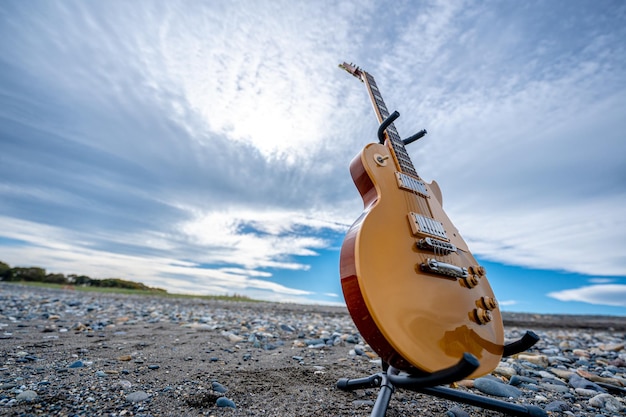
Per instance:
x=36, y=274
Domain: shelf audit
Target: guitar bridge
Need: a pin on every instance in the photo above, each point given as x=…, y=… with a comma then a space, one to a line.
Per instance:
x=437, y=267
x=436, y=245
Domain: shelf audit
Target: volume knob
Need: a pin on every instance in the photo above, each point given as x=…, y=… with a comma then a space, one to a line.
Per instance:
x=478, y=270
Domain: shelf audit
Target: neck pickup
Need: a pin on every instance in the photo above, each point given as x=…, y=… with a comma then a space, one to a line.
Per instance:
x=410, y=183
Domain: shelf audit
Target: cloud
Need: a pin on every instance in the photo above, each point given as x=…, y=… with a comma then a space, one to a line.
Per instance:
x=602, y=294
x=256, y=239
x=557, y=236
x=506, y=303
x=601, y=280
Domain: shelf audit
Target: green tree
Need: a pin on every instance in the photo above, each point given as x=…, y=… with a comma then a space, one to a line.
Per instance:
x=56, y=279
x=32, y=273
x=5, y=272
x=79, y=280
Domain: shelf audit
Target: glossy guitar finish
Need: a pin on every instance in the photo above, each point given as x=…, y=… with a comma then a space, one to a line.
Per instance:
x=412, y=287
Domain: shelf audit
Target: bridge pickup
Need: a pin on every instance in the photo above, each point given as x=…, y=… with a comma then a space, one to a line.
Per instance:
x=443, y=268
x=407, y=182
x=422, y=225
x=436, y=245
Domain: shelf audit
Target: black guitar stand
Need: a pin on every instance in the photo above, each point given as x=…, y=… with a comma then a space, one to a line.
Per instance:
x=390, y=379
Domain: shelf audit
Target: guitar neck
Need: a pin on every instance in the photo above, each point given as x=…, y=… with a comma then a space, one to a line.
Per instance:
x=397, y=145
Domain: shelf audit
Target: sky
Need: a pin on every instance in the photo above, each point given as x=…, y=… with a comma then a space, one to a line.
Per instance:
x=203, y=147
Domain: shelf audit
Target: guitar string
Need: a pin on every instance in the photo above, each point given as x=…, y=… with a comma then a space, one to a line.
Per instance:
x=413, y=201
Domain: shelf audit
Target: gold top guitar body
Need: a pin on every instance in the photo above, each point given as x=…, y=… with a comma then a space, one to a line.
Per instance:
x=412, y=287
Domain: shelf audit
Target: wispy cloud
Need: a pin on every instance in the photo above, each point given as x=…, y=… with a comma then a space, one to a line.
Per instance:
x=507, y=303
x=601, y=280
x=71, y=252
x=256, y=239
x=603, y=294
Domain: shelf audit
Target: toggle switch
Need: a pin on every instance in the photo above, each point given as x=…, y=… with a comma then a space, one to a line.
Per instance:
x=381, y=159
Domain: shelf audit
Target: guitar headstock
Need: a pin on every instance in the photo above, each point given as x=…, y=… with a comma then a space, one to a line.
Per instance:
x=353, y=70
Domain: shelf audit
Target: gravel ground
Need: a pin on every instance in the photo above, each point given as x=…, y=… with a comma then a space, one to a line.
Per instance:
x=74, y=353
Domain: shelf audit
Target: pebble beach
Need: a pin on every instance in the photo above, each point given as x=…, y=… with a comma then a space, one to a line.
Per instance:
x=65, y=352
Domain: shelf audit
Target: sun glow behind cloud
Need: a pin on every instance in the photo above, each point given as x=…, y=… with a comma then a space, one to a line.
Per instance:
x=274, y=93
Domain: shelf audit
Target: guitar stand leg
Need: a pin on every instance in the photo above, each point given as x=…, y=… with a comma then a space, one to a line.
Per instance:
x=429, y=384
x=373, y=381
x=383, y=398
x=483, y=402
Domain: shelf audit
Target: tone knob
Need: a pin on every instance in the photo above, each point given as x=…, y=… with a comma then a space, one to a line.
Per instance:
x=488, y=303
x=478, y=270
x=482, y=316
x=471, y=281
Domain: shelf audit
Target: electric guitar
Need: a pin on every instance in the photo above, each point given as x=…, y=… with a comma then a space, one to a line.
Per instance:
x=411, y=285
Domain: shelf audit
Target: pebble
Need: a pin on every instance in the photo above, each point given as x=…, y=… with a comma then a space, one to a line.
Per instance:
x=217, y=387
x=137, y=396
x=607, y=402
x=76, y=364
x=122, y=384
x=505, y=369
x=27, y=395
x=457, y=412
x=557, y=406
x=541, y=360
x=577, y=381
x=518, y=380
x=225, y=402
x=497, y=388
x=362, y=403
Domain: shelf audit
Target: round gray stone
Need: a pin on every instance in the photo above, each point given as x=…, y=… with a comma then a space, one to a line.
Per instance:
x=499, y=389
x=137, y=396
x=27, y=396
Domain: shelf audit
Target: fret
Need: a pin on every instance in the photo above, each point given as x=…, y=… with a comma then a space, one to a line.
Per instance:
x=381, y=107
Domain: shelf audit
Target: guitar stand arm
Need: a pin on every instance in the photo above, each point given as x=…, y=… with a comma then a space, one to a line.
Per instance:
x=527, y=341
x=415, y=137
x=460, y=370
x=385, y=124
x=389, y=120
